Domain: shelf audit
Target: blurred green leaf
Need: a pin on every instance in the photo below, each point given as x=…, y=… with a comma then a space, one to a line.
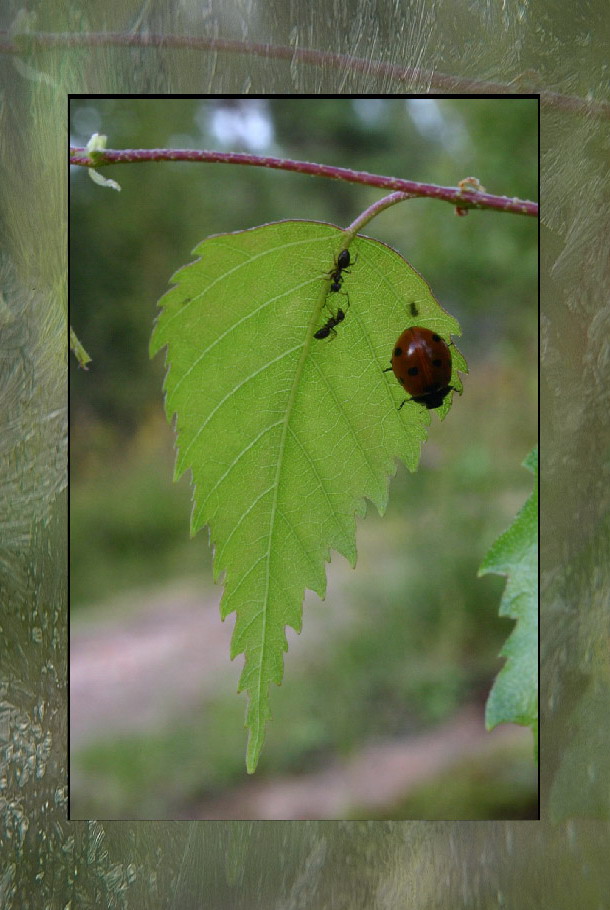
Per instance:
x=78, y=350
x=514, y=696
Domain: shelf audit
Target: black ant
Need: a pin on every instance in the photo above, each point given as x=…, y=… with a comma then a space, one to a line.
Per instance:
x=343, y=262
x=329, y=328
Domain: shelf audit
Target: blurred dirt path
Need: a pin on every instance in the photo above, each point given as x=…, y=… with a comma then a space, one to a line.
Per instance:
x=379, y=776
x=123, y=663
x=141, y=661
x=149, y=660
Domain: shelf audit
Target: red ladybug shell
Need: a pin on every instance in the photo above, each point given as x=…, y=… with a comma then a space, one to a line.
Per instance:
x=421, y=361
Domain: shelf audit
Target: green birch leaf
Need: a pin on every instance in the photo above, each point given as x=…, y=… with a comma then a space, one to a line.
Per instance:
x=286, y=435
x=514, y=696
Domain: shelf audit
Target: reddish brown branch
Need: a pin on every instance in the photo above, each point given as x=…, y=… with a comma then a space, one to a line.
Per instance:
x=460, y=196
x=399, y=74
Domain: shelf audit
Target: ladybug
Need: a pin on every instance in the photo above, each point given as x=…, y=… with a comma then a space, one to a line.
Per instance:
x=343, y=262
x=329, y=328
x=421, y=361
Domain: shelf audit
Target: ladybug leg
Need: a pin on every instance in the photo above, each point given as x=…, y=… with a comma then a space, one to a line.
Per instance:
x=388, y=370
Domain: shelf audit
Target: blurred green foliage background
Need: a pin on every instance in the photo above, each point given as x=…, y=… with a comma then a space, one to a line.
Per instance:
x=423, y=634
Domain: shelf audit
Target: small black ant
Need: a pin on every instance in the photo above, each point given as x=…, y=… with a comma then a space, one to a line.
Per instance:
x=343, y=262
x=329, y=328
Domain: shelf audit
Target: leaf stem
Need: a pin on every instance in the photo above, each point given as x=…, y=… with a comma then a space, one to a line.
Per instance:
x=375, y=209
